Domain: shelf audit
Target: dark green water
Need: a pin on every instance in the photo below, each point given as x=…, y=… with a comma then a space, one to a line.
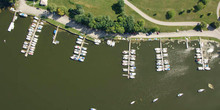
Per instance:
x=49, y=80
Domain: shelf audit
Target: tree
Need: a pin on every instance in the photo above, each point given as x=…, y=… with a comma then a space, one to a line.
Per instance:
x=203, y=25
x=52, y=7
x=118, y=7
x=170, y=14
x=215, y=24
x=199, y=6
x=155, y=29
x=204, y=1
x=60, y=11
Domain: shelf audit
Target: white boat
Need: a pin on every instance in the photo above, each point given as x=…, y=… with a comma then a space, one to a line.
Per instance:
x=42, y=23
x=80, y=37
x=84, y=51
x=23, y=51
x=156, y=99
x=36, y=18
x=165, y=55
x=38, y=30
x=164, y=50
x=92, y=109
x=200, y=68
x=125, y=52
x=78, y=42
x=180, y=94
x=84, y=48
x=132, y=102
x=78, y=47
x=157, y=49
x=36, y=36
x=159, y=69
x=23, y=15
x=207, y=68
x=125, y=69
x=35, y=21
x=201, y=90
x=132, y=74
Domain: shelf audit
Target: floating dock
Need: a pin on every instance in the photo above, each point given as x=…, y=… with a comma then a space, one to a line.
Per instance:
x=80, y=50
x=32, y=37
x=187, y=43
x=11, y=26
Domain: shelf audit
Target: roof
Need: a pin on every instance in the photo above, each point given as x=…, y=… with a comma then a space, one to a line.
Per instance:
x=44, y=2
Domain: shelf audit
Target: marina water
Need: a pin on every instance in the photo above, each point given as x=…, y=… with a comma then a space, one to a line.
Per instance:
x=49, y=80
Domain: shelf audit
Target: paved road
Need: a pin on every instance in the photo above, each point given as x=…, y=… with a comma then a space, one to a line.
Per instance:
x=157, y=21
x=97, y=34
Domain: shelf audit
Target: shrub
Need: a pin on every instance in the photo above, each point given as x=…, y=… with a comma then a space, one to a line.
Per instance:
x=52, y=7
x=199, y=6
x=209, y=14
x=204, y=1
x=60, y=11
x=201, y=15
x=215, y=24
x=155, y=29
x=170, y=14
x=203, y=25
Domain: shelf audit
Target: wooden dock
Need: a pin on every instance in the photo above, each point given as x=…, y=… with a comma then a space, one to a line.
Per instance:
x=201, y=48
x=11, y=26
x=129, y=57
x=80, y=50
x=32, y=37
x=161, y=53
x=55, y=35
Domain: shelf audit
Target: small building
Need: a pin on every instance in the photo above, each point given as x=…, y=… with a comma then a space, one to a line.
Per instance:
x=43, y=2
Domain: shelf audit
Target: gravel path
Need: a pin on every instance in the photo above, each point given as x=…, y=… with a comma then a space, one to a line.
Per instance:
x=157, y=21
x=97, y=34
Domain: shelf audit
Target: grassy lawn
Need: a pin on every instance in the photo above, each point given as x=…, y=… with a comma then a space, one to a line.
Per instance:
x=160, y=7
x=149, y=24
x=103, y=7
x=96, y=7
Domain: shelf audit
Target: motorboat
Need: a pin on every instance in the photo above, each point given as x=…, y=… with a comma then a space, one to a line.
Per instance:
x=201, y=90
x=156, y=99
x=180, y=94
x=23, y=15
x=132, y=102
x=132, y=74
x=78, y=42
x=92, y=109
x=125, y=52
x=133, y=58
x=207, y=68
x=84, y=48
x=165, y=55
x=80, y=37
x=38, y=30
x=84, y=51
x=23, y=51
x=42, y=23
x=35, y=21
x=200, y=68
x=198, y=50
x=157, y=49
x=159, y=69
x=36, y=18
x=125, y=69
x=83, y=54
x=210, y=86
x=164, y=50
x=78, y=47
x=133, y=51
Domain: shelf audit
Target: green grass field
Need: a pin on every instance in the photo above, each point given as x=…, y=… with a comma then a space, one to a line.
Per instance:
x=160, y=7
x=103, y=7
